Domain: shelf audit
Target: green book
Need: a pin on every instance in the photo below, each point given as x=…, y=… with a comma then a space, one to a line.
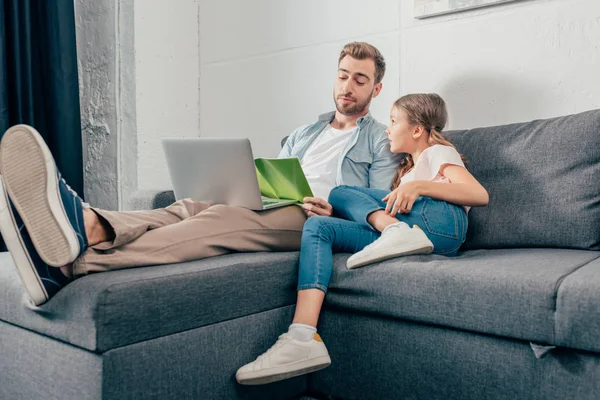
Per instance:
x=282, y=178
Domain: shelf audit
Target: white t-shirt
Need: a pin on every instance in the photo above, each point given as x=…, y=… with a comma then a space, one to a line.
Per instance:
x=320, y=161
x=427, y=167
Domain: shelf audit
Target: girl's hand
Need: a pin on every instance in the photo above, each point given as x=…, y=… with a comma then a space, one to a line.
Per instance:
x=401, y=199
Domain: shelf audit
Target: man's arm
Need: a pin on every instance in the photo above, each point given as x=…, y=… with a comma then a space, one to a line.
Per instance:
x=286, y=150
x=383, y=167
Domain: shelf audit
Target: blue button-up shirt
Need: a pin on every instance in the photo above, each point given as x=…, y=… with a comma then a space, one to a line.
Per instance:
x=366, y=160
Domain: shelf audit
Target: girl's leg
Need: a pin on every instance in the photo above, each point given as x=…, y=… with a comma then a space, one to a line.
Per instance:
x=321, y=237
x=308, y=307
x=355, y=203
x=444, y=224
x=438, y=227
x=381, y=220
x=361, y=205
x=301, y=350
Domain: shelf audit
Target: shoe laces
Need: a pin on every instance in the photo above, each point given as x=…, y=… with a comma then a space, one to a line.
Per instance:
x=283, y=339
x=73, y=192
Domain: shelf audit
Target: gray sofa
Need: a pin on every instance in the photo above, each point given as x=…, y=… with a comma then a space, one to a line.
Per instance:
x=516, y=315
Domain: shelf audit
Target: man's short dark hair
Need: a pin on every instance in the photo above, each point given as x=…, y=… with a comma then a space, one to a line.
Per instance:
x=363, y=51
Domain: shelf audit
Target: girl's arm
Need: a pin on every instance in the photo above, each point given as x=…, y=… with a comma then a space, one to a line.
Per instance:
x=463, y=188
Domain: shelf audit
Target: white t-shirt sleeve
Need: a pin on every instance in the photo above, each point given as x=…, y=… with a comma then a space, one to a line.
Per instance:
x=442, y=155
x=429, y=164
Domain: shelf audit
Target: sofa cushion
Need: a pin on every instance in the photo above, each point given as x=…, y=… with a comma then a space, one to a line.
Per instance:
x=578, y=309
x=504, y=292
x=103, y=311
x=542, y=177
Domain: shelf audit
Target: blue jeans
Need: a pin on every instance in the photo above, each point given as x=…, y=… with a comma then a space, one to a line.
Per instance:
x=348, y=231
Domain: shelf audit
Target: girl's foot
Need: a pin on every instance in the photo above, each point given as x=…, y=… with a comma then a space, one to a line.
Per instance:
x=287, y=358
x=396, y=240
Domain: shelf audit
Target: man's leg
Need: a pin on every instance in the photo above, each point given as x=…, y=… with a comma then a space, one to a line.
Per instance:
x=214, y=231
x=115, y=228
x=47, y=222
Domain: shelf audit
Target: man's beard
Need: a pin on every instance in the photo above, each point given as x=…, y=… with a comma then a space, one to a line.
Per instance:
x=352, y=108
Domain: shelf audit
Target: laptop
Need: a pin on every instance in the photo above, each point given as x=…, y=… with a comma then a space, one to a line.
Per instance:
x=216, y=170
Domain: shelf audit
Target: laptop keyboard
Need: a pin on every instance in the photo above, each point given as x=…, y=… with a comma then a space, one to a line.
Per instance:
x=267, y=202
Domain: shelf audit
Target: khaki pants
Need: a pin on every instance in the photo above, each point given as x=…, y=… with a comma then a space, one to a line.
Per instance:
x=190, y=230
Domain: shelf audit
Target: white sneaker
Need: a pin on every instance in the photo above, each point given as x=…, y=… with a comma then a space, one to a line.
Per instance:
x=287, y=358
x=395, y=240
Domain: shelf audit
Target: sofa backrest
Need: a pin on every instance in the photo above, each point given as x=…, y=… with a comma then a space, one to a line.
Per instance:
x=543, y=178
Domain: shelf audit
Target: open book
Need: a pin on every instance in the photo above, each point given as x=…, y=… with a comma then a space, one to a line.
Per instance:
x=281, y=179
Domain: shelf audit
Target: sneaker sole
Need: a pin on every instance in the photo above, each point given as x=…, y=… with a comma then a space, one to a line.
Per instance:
x=406, y=251
x=30, y=178
x=281, y=373
x=25, y=267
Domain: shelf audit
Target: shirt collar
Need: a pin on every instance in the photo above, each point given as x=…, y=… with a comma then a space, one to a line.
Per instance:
x=328, y=117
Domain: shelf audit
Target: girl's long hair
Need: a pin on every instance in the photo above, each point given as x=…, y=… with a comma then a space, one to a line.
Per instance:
x=429, y=111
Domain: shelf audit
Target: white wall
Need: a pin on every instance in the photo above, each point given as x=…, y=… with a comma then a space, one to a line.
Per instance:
x=167, y=67
x=273, y=66
x=514, y=62
x=257, y=69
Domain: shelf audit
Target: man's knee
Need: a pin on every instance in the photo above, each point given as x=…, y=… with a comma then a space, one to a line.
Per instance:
x=187, y=207
x=225, y=211
x=219, y=208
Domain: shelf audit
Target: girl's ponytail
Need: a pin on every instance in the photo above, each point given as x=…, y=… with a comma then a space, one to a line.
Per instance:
x=403, y=168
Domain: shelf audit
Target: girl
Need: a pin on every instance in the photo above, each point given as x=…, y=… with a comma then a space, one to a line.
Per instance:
x=425, y=212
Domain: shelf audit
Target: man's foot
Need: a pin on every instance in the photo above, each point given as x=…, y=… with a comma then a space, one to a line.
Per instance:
x=395, y=240
x=41, y=281
x=51, y=210
x=287, y=358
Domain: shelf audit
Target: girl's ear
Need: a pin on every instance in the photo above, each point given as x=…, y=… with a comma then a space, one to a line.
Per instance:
x=418, y=131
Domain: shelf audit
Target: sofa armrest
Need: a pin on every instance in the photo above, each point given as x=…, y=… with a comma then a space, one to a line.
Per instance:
x=150, y=199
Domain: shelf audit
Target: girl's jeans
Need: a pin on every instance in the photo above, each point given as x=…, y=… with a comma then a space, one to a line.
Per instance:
x=348, y=231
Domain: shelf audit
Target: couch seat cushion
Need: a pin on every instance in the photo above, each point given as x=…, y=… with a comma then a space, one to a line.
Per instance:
x=578, y=309
x=102, y=311
x=505, y=292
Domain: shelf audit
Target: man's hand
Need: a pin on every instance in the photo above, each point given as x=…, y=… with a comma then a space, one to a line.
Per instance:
x=401, y=199
x=316, y=206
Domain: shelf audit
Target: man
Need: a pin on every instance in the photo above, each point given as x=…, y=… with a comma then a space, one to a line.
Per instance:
x=54, y=237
